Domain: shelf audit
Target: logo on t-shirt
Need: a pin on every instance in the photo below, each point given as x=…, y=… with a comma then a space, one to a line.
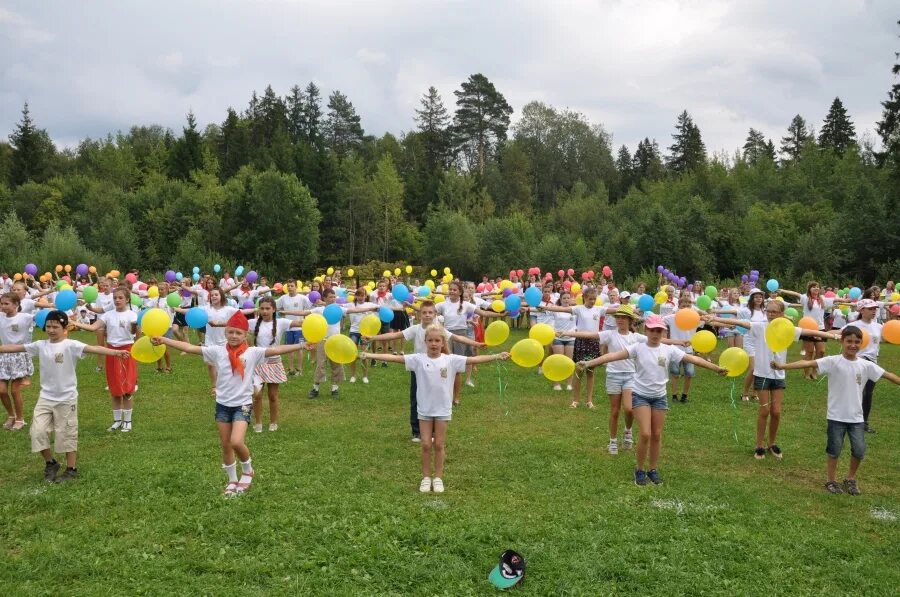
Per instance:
x=661, y=361
x=858, y=379
x=444, y=372
x=15, y=327
x=58, y=358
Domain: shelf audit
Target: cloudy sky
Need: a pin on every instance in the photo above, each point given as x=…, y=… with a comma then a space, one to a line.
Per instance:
x=91, y=67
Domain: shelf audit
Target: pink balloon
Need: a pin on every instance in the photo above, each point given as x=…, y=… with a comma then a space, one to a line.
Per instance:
x=131, y=278
x=571, y=272
x=561, y=273
x=567, y=285
x=520, y=273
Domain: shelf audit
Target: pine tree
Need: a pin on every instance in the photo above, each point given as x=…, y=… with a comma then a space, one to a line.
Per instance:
x=296, y=114
x=481, y=120
x=647, y=161
x=343, y=125
x=889, y=126
x=233, y=145
x=270, y=119
x=757, y=148
x=32, y=151
x=798, y=135
x=433, y=121
x=625, y=168
x=312, y=115
x=688, y=151
x=187, y=154
x=837, y=132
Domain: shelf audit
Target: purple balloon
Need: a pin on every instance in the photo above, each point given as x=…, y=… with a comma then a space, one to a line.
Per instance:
x=252, y=276
x=186, y=293
x=514, y=314
x=82, y=269
x=507, y=292
x=341, y=300
x=314, y=296
x=683, y=281
x=248, y=304
x=170, y=276
x=744, y=278
x=660, y=269
x=31, y=269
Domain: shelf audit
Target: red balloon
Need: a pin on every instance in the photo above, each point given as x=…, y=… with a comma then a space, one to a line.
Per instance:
x=567, y=285
x=585, y=276
x=607, y=271
x=561, y=273
x=520, y=272
x=571, y=272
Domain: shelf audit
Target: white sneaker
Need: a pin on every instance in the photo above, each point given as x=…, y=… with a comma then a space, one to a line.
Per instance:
x=115, y=426
x=613, y=447
x=568, y=387
x=365, y=380
x=352, y=380
x=438, y=485
x=540, y=370
x=557, y=388
x=627, y=440
x=106, y=389
x=470, y=383
x=425, y=485
x=126, y=426
x=273, y=426
x=257, y=428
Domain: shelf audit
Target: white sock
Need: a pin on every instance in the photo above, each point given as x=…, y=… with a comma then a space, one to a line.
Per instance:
x=231, y=471
x=316, y=387
x=613, y=440
x=117, y=415
x=127, y=414
x=628, y=430
x=334, y=387
x=247, y=467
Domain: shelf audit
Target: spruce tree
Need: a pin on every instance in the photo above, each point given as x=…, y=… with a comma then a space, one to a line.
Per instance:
x=798, y=135
x=433, y=121
x=312, y=116
x=32, y=151
x=187, y=154
x=343, y=128
x=837, y=132
x=233, y=146
x=757, y=148
x=688, y=151
x=481, y=120
x=296, y=113
x=889, y=126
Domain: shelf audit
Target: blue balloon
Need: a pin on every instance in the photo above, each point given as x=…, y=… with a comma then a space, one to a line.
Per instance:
x=513, y=303
x=385, y=314
x=196, y=317
x=196, y=270
x=855, y=293
x=400, y=292
x=217, y=268
x=40, y=318
x=141, y=315
x=533, y=296
x=772, y=285
x=341, y=292
x=514, y=314
x=179, y=276
x=239, y=270
x=646, y=302
x=333, y=314
x=424, y=291
x=66, y=300
x=196, y=277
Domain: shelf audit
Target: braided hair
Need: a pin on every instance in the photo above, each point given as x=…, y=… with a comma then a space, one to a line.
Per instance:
x=270, y=301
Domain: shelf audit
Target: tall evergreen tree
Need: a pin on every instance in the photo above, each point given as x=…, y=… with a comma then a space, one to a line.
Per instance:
x=798, y=135
x=343, y=127
x=187, y=154
x=433, y=121
x=837, y=132
x=889, y=126
x=688, y=151
x=625, y=170
x=270, y=120
x=647, y=161
x=233, y=145
x=757, y=148
x=481, y=120
x=296, y=113
x=312, y=115
x=33, y=151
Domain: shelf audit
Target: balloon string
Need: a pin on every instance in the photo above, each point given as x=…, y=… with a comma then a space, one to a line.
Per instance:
x=501, y=385
x=734, y=406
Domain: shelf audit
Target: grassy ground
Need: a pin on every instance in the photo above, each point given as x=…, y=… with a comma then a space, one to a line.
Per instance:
x=335, y=508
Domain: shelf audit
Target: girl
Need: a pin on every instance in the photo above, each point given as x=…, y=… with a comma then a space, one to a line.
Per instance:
x=294, y=301
x=120, y=325
x=103, y=304
x=16, y=369
x=768, y=381
x=814, y=305
x=564, y=326
x=435, y=371
x=160, y=303
x=381, y=296
x=360, y=299
x=270, y=373
x=867, y=309
x=755, y=311
x=537, y=315
x=649, y=399
x=682, y=339
x=234, y=364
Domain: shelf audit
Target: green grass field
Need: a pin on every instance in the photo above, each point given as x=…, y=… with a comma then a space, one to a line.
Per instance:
x=335, y=508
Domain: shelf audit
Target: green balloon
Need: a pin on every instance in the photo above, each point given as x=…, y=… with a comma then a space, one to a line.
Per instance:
x=173, y=300
x=703, y=302
x=712, y=292
x=791, y=313
x=136, y=300
x=89, y=294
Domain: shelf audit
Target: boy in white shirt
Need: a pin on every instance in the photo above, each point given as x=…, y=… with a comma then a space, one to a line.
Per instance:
x=57, y=406
x=847, y=376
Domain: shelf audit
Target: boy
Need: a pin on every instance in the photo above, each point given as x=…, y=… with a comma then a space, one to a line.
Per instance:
x=57, y=405
x=847, y=376
x=684, y=368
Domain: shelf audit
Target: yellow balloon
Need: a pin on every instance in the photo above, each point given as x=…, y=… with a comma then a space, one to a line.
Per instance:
x=143, y=350
x=558, y=367
x=371, y=285
x=153, y=292
x=527, y=353
x=496, y=333
x=579, y=300
x=447, y=278
x=576, y=288
x=330, y=271
x=408, y=269
x=314, y=328
x=498, y=306
x=65, y=287
x=433, y=273
x=736, y=360
x=430, y=285
x=703, y=341
x=438, y=299
x=340, y=349
x=396, y=271
x=661, y=297
x=350, y=272
x=155, y=322
x=447, y=271
x=504, y=284
x=386, y=274
x=543, y=333
x=370, y=325
x=780, y=334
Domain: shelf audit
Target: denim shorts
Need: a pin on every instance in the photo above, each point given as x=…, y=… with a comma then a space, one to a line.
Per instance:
x=563, y=342
x=294, y=336
x=233, y=414
x=356, y=337
x=836, y=431
x=658, y=403
x=676, y=369
x=432, y=419
x=617, y=382
x=767, y=383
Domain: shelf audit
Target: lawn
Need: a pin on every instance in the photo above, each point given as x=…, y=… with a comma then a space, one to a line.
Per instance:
x=335, y=508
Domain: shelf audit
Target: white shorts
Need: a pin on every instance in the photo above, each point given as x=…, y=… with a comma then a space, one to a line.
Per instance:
x=617, y=382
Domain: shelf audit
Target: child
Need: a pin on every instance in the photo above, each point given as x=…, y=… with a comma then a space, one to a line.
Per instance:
x=684, y=368
x=435, y=371
x=847, y=376
x=867, y=309
x=564, y=326
x=57, y=406
x=360, y=299
x=270, y=373
x=103, y=304
x=235, y=363
x=293, y=301
x=120, y=325
x=652, y=361
x=15, y=369
x=769, y=382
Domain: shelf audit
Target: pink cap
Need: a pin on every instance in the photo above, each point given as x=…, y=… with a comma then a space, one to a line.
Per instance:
x=866, y=304
x=655, y=321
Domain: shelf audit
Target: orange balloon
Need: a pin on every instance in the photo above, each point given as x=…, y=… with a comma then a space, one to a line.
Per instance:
x=59, y=268
x=687, y=319
x=866, y=339
x=891, y=331
x=808, y=323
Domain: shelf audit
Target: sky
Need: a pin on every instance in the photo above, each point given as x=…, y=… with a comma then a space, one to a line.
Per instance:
x=89, y=68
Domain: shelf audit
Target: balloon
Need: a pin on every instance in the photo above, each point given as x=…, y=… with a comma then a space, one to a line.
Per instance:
x=711, y=291
x=40, y=318
x=239, y=270
x=866, y=338
x=687, y=319
x=745, y=278
x=558, y=367
x=370, y=325
x=129, y=277
x=645, y=302
x=891, y=330
x=66, y=300
x=408, y=269
x=396, y=271
x=385, y=314
x=772, y=285
x=82, y=269
x=703, y=341
x=779, y=334
x=170, y=276
x=340, y=349
x=92, y=269
x=660, y=269
x=704, y=302
x=513, y=303
x=661, y=297
x=68, y=268
x=446, y=271
x=314, y=328
x=424, y=290
x=173, y=300
x=196, y=317
x=808, y=323
x=65, y=286
x=143, y=350
x=136, y=300
x=329, y=271
x=350, y=273
x=527, y=353
x=31, y=269
x=89, y=294
x=575, y=288
x=314, y=297
x=498, y=306
x=217, y=268
x=736, y=360
x=792, y=314
x=179, y=276
x=114, y=273
x=543, y=333
x=855, y=293
x=496, y=333
x=533, y=296
x=561, y=273
x=333, y=314
x=400, y=292
x=430, y=284
x=433, y=273
x=607, y=271
x=895, y=297
x=155, y=322
x=252, y=276
x=519, y=273
x=438, y=299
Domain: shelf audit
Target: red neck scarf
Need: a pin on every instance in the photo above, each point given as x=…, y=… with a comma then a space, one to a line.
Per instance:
x=234, y=356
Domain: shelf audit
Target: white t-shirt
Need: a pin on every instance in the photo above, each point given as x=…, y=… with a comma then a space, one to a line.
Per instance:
x=763, y=354
x=874, y=328
x=846, y=381
x=587, y=320
x=818, y=311
x=652, y=367
x=676, y=333
x=215, y=335
x=118, y=326
x=333, y=328
x=264, y=337
x=616, y=342
x=298, y=302
x=454, y=318
x=57, y=362
x=667, y=308
x=416, y=333
x=28, y=305
x=541, y=316
x=609, y=320
x=355, y=318
x=105, y=301
x=434, y=382
x=242, y=296
x=16, y=329
x=202, y=295
x=231, y=388
x=562, y=322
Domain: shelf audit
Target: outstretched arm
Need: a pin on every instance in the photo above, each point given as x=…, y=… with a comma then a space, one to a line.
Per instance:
x=727, y=321
x=12, y=348
x=465, y=340
x=705, y=364
x=93, y=327
x=609, y=357
x=486, y=358
x=274, y=351
x=91, y=349
x=794, y=365
x=891, y=377
x=177, y=344
x=556, y=308
x=818, y=334
x=377, y=356
x=386, y=336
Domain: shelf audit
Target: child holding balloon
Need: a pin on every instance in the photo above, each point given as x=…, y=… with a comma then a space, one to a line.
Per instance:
x=16, y=369
x=814, y=305
x=360, y=299
x=682, y=327
x=294, y=301
x=270, y=373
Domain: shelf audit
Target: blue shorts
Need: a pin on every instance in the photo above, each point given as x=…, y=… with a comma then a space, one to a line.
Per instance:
x=835, y=443
x=563, y=341
x=658, y=403
x=233, y=414
x=676, y=369
x=767, y=383
x=357, y=338
x=293, y=336
x=616, y=383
